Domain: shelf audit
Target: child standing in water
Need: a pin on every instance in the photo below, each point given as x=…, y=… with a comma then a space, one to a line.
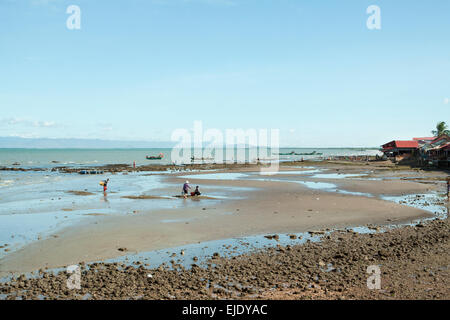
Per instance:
x=104, y=183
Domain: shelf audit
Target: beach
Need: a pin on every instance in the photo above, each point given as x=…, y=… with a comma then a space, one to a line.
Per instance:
x=413, y=262
x=143, y=221
x=224, y=149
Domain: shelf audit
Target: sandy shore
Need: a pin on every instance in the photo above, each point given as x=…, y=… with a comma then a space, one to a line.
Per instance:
x=277, y=206
x=413, y=264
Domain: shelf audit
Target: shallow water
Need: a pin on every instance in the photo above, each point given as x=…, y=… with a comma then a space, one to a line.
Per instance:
x=337, y=175
x=297, y=172
x=322, y=186
x=430, y=202
x=38, y=204
x=205, y=250
x=217, y=176
x=310, y=173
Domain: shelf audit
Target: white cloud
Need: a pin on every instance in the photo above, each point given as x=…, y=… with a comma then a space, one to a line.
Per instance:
x=12, y=121
x=44, y=124
x=24, y=135
x=28, y=123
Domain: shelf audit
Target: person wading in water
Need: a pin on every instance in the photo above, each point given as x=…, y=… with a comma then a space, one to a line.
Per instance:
x=104, y=183
x=186, y=188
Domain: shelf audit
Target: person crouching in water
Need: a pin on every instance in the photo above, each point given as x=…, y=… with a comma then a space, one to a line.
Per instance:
x=186, y=188
x=196, y=192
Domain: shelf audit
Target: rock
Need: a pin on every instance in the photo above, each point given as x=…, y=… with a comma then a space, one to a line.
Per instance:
x=420, y=225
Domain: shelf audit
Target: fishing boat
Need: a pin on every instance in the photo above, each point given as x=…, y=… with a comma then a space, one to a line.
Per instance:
x=201, y=159
x=90, y=172
x=293, y=153
x=158, y=157
x=314, y=153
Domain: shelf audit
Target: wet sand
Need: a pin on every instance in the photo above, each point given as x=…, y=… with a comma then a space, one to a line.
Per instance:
x=413, y=261
x=263, y=207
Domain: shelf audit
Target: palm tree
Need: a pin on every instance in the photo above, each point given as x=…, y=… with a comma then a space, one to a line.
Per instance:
x=441, y=128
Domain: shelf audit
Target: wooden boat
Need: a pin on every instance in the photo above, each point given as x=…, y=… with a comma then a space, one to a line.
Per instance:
x=158, y=157
x=201, y=159
x=287, y=154
x=293, y=153
x=90, y=172
x=314, y=153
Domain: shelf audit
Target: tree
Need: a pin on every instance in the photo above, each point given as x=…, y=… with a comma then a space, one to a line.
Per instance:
x=441, y=128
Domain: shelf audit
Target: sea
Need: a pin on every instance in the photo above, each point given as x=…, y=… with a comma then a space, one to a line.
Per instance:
x=49, y=158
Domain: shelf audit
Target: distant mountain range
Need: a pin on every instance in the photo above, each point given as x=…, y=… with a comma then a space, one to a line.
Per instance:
x=47, y=143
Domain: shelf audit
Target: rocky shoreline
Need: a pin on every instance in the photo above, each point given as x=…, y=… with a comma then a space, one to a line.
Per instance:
x=414, y=263
x=114, y=168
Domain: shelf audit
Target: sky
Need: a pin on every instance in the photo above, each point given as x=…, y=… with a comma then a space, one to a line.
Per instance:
x=140, y=69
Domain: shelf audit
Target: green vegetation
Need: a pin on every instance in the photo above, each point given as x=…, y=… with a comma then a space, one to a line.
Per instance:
x=441, y=128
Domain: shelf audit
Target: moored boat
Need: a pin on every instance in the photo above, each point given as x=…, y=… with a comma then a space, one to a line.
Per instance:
x=158, y=157
x=293, y=153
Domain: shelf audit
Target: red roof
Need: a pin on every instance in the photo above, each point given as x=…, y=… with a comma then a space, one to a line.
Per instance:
x=401, y=144
x=406, y=144
x=425, y=139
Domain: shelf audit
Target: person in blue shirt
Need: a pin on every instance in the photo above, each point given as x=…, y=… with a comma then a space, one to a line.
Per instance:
x=186, y=188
